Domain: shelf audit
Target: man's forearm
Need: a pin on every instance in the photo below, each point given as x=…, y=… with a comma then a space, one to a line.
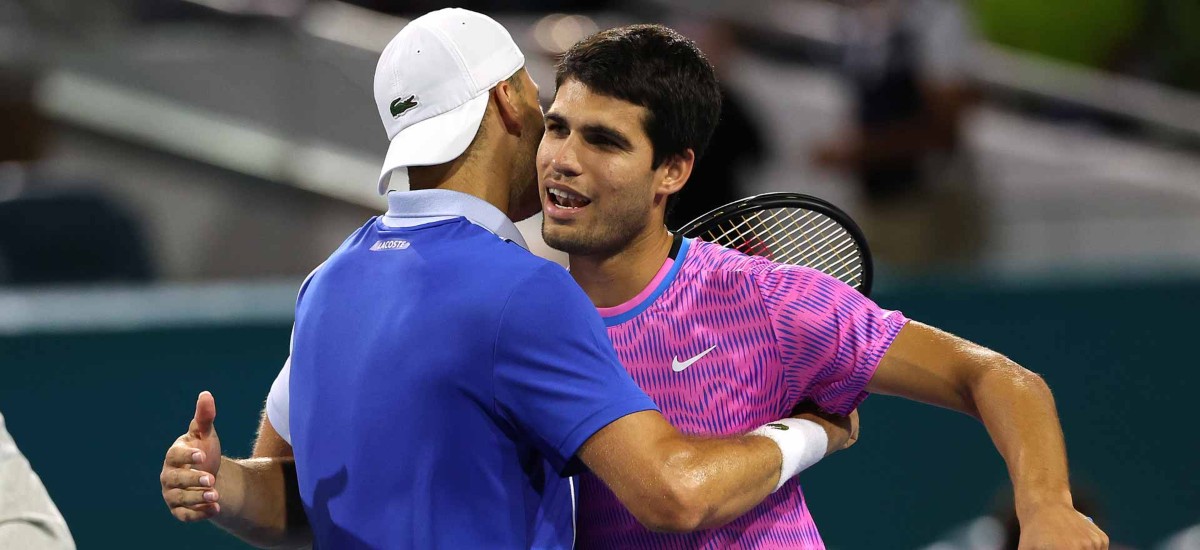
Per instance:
x=734, y=475
x=1018, y=410
x=678, y=483
x=725, y=478
x=260, y=502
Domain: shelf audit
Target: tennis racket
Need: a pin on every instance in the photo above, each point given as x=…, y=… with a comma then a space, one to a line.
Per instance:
x=790, y=228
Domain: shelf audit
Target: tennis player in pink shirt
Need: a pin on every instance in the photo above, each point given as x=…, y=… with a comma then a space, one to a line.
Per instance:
x=724, y=342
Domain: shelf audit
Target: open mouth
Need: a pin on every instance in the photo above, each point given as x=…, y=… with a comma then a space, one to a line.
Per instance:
x=566, y=199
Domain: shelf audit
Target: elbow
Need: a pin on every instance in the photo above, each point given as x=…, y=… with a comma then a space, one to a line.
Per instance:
x=1014, y=375
x=1001, y=375
x=1032, y=383
x=681, y=506
x=680, y=511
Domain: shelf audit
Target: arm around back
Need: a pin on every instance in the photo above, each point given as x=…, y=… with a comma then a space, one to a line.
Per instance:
x=675, y=483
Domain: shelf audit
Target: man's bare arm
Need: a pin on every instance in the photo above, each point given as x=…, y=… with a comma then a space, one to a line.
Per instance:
x=1016, y=407
x=676, y=483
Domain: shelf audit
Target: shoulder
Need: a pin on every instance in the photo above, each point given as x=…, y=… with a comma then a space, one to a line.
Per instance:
x=508, y=280
x=547, y=288
x=487, y=254
x=546, y=306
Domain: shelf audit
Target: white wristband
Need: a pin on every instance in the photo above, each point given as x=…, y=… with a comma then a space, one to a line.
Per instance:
x=802, y=442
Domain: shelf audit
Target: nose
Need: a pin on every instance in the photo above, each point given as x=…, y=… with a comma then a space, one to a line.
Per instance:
x=564, y=162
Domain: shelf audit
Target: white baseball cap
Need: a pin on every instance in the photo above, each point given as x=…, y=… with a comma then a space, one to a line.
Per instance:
x=432, y=83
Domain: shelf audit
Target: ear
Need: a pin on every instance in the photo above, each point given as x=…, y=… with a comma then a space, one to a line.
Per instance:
x=505, y=96
x=676, y=171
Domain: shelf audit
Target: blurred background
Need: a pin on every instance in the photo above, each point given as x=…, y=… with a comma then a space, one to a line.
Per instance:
x=1027, y=173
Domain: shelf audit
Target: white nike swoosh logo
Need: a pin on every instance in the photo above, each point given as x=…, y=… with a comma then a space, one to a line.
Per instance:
x=677, y=365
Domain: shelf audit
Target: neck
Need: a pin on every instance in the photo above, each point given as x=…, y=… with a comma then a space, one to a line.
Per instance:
x=476, y=175
x=611, y=280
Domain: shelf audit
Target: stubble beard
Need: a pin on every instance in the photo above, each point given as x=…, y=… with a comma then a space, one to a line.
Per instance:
x=604, y=237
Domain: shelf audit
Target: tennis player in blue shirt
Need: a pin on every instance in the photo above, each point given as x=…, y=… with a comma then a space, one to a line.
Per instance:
x=442, y=379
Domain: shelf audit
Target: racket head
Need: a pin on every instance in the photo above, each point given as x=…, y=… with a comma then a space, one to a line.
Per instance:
x=791, y=228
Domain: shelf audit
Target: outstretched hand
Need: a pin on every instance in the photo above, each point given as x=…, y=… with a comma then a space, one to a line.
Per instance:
x=189, y=473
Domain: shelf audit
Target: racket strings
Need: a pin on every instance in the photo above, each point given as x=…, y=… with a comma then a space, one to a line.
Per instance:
x=794, y=236
x=816, y=251
x=826, y=245
x=829, y=246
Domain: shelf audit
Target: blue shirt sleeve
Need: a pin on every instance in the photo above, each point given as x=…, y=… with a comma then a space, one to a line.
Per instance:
x=557, y=378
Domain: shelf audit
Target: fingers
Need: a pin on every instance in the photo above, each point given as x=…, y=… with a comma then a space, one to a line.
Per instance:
x=206, y=413
x=184, y=478
x=182, y=455
x=189, y=494
x=187, y=498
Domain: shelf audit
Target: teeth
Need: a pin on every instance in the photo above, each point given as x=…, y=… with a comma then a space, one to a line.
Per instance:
x=568, y=199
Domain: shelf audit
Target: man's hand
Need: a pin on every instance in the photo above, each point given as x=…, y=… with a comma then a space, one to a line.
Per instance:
x=189, y=472
x=1060, y=526
x=842, y=430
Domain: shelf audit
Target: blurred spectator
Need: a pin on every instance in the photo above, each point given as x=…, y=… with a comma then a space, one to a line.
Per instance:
x=737, y=142
x=907, y=63
x=28, y=518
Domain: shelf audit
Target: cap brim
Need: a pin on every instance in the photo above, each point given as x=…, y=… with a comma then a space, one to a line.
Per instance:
x=436, y=140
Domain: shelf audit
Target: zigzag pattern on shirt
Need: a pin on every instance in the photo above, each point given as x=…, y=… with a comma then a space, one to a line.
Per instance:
x=783, y=333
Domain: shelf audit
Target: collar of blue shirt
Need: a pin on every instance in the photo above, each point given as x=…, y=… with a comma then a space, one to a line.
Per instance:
x=409, y=208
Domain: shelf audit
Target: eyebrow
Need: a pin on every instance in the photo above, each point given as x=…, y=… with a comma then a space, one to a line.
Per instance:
x=597, y=129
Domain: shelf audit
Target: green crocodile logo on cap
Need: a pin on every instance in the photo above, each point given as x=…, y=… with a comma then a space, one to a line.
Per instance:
x=778, y=426
x=401, y=105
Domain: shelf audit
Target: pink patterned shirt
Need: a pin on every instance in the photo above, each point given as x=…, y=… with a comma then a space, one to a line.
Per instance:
x=723, y=343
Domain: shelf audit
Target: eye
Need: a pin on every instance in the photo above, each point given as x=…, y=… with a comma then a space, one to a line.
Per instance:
x=555, y=128
x=601, y=141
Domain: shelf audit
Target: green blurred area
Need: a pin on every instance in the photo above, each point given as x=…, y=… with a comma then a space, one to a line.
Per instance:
x=1155, y=39
x=1080, y=31
x=95, y=413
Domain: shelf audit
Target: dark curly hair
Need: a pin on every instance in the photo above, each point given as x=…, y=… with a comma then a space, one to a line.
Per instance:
x=659, y=69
